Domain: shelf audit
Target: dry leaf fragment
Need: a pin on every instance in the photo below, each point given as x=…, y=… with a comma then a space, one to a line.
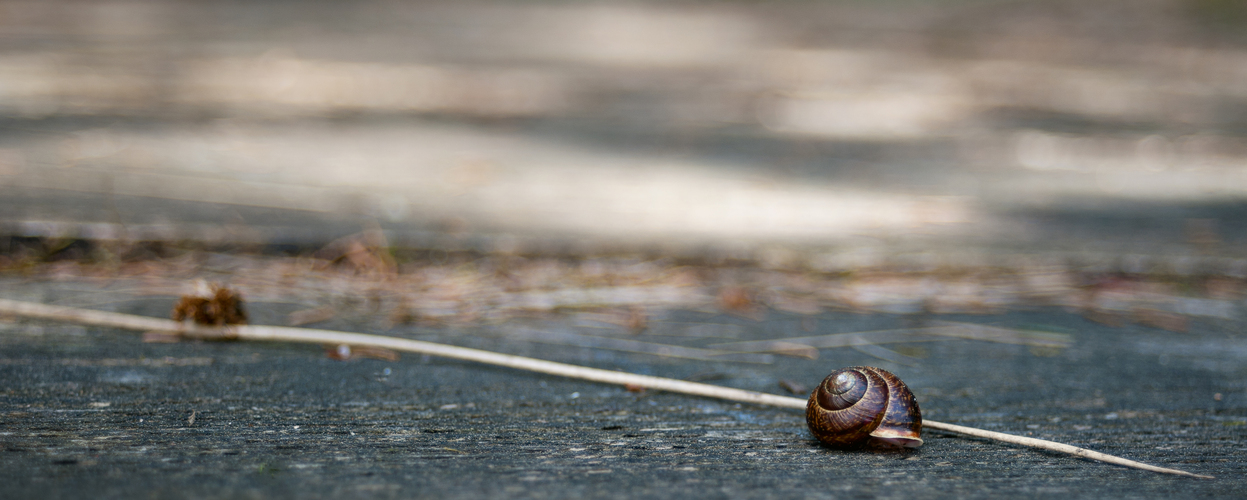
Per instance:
x=740, y=301
x=222, y=306
x=316, y=315
x=365, y=253
x=343, y=352
x=735, y=299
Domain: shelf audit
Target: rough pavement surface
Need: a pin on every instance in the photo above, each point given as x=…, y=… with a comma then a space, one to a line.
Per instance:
x=96, y=410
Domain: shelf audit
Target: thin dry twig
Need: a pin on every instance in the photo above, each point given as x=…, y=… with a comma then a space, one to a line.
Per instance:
x=943, y=330
x=312, y=336
x=562, y=337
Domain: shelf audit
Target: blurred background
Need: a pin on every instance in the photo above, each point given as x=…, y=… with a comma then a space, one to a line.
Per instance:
x=1021, y=151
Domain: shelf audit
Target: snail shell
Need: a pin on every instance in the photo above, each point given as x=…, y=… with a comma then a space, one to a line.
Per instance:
x=856, y=405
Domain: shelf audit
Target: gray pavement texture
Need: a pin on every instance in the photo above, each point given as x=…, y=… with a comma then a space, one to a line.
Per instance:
x=90, y=411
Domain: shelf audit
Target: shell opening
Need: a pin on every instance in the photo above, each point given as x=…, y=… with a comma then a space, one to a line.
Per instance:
x=898, y=442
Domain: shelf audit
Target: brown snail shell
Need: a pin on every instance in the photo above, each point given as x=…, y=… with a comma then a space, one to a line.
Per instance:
x=863, y=404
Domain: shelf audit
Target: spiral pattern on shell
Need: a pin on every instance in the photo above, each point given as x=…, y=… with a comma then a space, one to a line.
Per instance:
x=856, y=405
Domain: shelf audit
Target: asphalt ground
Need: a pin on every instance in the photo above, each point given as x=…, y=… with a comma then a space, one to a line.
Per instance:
x=90, y=411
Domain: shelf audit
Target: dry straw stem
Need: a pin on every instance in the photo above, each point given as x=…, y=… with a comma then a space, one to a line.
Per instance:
x=312, y=336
